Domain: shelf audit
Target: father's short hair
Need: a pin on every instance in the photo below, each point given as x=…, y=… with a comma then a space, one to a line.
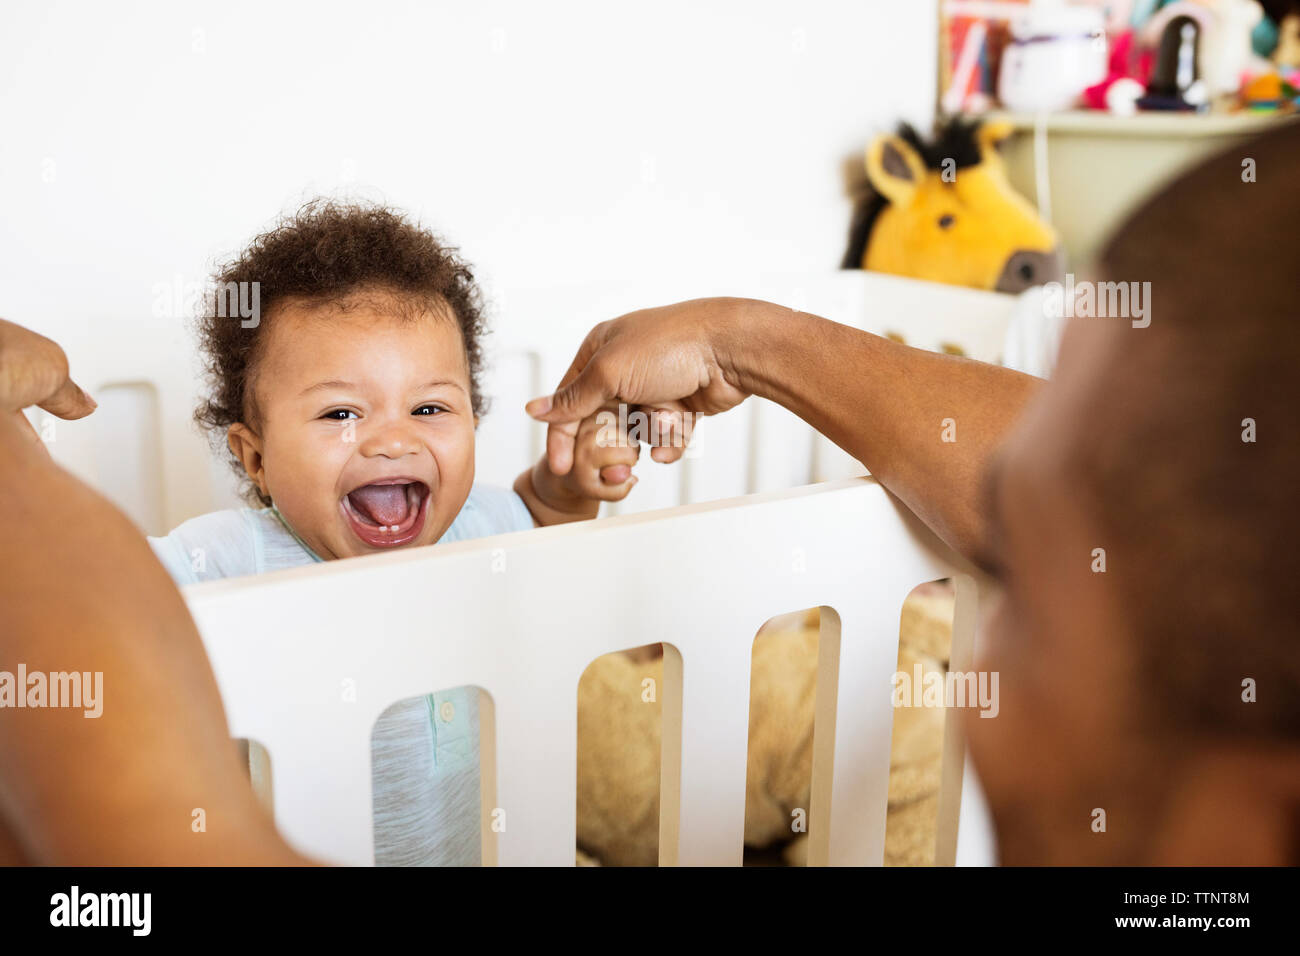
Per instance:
x=1192, y=470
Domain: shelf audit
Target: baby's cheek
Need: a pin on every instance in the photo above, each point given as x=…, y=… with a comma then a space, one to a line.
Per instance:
x=303, y=479
x=454, y=459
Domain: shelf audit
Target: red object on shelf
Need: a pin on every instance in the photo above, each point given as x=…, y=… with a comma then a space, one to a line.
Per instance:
x=1125, y=62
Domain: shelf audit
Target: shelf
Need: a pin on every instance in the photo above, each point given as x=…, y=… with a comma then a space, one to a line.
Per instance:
x=1181, y=125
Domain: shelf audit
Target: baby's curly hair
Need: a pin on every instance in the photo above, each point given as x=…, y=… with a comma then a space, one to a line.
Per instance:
x=325, y=253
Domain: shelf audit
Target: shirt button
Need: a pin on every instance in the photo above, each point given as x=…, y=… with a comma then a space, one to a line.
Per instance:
x=447, y=711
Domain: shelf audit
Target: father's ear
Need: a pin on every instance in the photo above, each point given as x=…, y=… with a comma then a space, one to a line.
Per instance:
x=246, y=445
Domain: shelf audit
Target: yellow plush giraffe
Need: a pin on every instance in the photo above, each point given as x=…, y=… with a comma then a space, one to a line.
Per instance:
x=943, y=210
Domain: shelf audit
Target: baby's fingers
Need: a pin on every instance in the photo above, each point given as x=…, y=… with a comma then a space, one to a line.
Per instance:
x=607, y=472
x=609, y=487
x=615, y=474
x=560, y=441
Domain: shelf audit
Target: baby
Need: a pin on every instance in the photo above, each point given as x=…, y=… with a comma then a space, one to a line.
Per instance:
x=348, y=401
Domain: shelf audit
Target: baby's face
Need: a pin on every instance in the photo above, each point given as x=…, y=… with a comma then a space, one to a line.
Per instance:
x=366, y=427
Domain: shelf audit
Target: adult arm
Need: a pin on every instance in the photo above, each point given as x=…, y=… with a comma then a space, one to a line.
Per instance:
x=883, y=403
x=80, y=591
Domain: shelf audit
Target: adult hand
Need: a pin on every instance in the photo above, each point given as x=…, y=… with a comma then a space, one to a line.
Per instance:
x=668, y=360
x=34, y=371
x=880, y=401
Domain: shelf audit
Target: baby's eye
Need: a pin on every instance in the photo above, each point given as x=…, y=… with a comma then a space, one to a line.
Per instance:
x=428, y=410
x=339, y=414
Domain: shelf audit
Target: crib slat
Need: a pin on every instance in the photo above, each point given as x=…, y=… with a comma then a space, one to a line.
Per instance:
x=714, y=700
x=781, y=449
x=717, y=464
x=505, y=442
x=537, y=732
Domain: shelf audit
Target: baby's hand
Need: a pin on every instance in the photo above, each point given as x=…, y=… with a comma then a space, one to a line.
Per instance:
x=602, y=471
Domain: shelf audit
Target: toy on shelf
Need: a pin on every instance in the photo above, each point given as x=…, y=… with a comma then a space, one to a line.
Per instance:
x=1120, y=56
x=1126, y=82
x=1286, y=52
x=943, y=210
x=1056, y=52
x=1273, y=85
x=1271, y=93
x=1212, y=39
x=1028, y=54
x=1176, y=82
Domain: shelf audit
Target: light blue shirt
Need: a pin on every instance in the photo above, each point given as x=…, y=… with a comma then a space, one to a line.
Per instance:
x=242, y=541
x=424, y=750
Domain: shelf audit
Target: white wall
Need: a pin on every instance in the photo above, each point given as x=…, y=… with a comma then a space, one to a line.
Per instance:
x=554, y=142
x=555, y=139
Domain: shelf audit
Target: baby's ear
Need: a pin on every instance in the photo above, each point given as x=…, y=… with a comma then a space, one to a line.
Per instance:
x=246, y=445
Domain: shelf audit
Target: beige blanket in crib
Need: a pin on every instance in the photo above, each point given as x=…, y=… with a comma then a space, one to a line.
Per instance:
x=619, y=734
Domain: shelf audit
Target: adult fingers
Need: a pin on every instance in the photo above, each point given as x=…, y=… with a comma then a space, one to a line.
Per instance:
x=582, y=397
x=671, y=430
x=542, y=406
x=34, y=371
x=69, y=401
x=590, y=390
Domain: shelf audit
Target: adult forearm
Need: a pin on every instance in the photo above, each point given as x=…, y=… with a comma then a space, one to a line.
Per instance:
x=923, y=424
x=81, y=592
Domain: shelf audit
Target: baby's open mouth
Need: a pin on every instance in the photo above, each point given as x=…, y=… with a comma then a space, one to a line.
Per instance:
x=387, y=513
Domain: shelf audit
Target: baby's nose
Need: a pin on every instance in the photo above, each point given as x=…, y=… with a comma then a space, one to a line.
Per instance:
x=389, y=440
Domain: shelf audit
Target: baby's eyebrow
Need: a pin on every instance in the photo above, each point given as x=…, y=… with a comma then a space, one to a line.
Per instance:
x=333, y=383
x=441, y=381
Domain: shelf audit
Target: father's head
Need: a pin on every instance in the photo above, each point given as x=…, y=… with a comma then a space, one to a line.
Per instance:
x=1146, y=528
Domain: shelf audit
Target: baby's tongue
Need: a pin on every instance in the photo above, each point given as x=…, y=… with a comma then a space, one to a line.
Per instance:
x=382, y=504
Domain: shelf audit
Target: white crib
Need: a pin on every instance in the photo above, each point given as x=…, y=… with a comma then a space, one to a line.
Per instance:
x=308, y=659
x=521, y=616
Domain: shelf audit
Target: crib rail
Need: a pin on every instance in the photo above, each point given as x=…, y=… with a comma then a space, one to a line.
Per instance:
x=522, y=615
